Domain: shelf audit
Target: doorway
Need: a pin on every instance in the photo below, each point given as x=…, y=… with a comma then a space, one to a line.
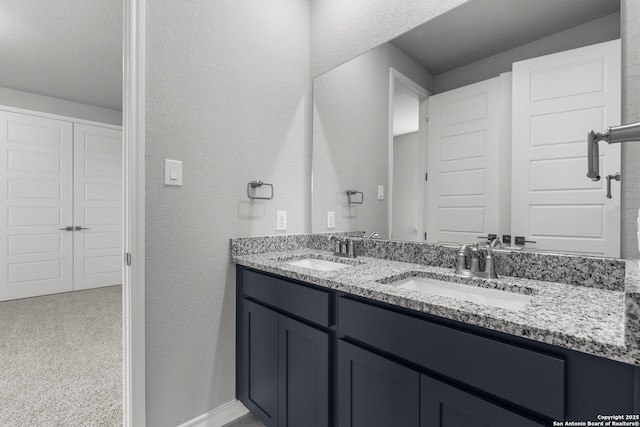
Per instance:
x=118, y=258
x=407, y=158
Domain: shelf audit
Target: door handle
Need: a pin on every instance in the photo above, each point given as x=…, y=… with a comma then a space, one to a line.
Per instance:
x=67, y=228
x=520, y=241
x=78, y=228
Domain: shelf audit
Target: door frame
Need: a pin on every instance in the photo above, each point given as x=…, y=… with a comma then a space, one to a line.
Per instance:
x=133, y=280
x=397, y=78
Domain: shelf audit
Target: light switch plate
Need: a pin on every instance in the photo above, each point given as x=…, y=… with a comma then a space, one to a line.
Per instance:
x=173, y=172
x=331, y=219
x=281, y=220
x=380, y=192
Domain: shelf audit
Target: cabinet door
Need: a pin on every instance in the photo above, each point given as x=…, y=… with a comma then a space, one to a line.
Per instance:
x=303, y=375
x=373, y=391
x=444, y=406
x=260, y=362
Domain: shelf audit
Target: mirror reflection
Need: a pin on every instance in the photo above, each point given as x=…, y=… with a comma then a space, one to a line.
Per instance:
x=475, y=124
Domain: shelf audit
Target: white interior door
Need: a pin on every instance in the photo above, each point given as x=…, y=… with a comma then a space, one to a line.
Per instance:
x=463, y=163
x=557, y=99
x=97, y=206
x=35, y=201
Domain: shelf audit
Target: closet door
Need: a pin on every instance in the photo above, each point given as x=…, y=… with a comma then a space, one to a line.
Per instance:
x=97, y=206
x=35, y=202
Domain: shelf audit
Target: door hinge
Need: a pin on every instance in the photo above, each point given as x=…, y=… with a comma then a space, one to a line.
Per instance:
x=426, y=177
x=425, y=235
x=127, y=259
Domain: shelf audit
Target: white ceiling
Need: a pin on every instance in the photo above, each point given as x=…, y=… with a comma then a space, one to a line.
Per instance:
x=68, y=49
x=482, y=28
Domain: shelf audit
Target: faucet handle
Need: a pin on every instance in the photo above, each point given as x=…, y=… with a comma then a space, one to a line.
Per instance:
x=351, y=250
x=489, y=265
x=462, y=262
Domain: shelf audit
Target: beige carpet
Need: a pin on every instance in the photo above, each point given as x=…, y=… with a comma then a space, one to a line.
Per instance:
x=61, y=360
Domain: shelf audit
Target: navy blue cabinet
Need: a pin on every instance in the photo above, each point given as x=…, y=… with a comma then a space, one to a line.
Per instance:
x=374, y=391
x=283, y=363
x=312, y=357
x=303, y=375
x=260, y=362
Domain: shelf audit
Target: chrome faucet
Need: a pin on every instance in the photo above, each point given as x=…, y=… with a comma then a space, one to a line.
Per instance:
x=472, y=251
x=344, y=246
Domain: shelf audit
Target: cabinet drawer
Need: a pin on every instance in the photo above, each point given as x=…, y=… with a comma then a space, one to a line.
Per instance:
x=525, y=377
x=300, y=300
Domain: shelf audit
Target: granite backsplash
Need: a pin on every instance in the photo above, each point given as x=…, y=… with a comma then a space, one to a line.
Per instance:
x=602, y=273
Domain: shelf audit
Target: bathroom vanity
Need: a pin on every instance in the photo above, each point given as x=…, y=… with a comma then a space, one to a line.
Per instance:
x=339, y=343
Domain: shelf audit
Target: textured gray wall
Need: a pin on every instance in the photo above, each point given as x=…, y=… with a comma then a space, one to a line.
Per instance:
x=228, y=94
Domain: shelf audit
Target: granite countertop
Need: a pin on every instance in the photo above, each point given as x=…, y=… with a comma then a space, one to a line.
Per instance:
x=582, y=318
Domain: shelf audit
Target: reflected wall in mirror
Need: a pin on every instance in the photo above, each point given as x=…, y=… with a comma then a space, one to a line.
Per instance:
x=357, y=142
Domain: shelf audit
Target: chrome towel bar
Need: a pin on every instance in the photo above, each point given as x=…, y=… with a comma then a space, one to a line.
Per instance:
x=252, y=185
x=353, y=193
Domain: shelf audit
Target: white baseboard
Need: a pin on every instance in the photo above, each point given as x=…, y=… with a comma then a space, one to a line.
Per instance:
x=220, y=416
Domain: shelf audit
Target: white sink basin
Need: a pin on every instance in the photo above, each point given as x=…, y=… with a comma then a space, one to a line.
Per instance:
x=318, y=264
x=475, y=294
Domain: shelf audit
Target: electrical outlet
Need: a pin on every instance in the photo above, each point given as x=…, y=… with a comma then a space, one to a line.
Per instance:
x=281, y=220
x=331, y=219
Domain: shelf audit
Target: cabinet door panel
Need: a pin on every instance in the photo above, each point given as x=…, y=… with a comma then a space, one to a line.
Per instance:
x=374, y=391
x=304, y=375
x=444, y=406
x=260, y=362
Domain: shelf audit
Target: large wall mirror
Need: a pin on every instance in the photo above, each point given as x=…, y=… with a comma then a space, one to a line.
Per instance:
x=475, y=123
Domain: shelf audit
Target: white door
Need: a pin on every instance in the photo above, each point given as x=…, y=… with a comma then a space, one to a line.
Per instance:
x=35, y=201
x=97, y=206
x=463, y=163
x=557, y=99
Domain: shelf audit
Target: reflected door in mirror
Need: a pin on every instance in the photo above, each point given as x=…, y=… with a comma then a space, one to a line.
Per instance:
x=463, y=163
x=557, y=99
